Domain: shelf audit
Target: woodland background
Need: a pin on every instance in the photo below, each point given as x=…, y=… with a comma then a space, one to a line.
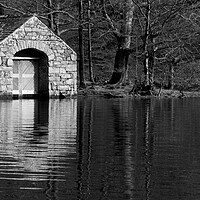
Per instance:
x=151, y=43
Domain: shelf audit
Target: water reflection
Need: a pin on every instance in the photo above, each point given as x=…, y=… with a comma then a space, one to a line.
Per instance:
x=97, y=148
x=37, y=142
x=138, y=149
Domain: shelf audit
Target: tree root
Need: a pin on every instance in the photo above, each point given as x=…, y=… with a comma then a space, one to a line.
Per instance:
x=142, y=89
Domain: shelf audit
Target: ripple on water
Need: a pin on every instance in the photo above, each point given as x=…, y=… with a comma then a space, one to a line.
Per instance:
x=97, y=148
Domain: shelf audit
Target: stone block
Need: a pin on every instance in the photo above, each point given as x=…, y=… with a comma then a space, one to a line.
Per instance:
x=59, y=58
x=9, y=88
x=36, y=29
x=21, y=35
x=70, y=67
x=53, y=70
x=62, y=70
x=51, y=57
x=8, y=82
x=61, y=51
x=57, y=74
x=51, y=78
x=73, y=57
x=54, y=93
x=66, y=76
x=3, y=88
x=64, y=87
x=51, y=63
x=22, y=45
x=54, y=87
x=28, y=29
x=57, y=79
x=4, y=49
x=69, y=82
x=74, y=74
x=56, y=62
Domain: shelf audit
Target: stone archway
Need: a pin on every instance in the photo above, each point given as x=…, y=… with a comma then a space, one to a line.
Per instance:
x=30, y=73
x=37, y=45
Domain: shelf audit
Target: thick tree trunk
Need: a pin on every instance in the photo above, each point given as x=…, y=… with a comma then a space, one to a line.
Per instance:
x=120, y=66
x=149, y=50
x=124, y=41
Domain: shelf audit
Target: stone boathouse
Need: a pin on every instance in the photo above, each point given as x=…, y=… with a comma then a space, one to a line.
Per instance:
x=34, y=62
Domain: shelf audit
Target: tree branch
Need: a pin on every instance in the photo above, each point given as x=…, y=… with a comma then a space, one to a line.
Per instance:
x=14, y=9
x=111, y=23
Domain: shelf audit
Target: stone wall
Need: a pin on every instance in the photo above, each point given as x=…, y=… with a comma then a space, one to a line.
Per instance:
x=6, y=85
x=62, y=60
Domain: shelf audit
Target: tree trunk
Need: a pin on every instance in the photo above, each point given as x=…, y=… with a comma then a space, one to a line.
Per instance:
x=50, y=16
x=146, y=44
x=120, y=66
x=81, y=47
x=151, y=55
x=124, y=41
x=146, y=69
x=171, y=75
x=57, y=19
x=91, y=75
x=54, y=18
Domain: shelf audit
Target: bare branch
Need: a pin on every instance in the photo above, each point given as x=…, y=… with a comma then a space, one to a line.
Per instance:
x=111, y=23
x=139, y=6
x=60, y=11
x=14, y=9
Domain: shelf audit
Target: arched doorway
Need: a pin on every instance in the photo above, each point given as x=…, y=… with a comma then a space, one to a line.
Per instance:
x=30, y=74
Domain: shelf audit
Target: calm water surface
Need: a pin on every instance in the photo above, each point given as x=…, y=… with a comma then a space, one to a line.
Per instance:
x=100, y=149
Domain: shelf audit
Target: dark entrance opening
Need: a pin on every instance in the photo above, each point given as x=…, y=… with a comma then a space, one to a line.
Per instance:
x=30, y=74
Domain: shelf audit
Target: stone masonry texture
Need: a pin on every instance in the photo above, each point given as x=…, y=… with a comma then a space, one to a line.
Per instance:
x=62, y=60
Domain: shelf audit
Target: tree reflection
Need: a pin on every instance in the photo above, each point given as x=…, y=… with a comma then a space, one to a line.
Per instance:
x=80, y=142
x=110, y=145
x=136, y=149
x=85, y=124
x=148, y=143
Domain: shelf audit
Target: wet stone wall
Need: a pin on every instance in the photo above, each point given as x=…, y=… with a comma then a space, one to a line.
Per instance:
x=6, y=81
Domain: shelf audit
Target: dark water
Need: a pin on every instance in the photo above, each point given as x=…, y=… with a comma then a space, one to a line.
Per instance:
x=100, y=149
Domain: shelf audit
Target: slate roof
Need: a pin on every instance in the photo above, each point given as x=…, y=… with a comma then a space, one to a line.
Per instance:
x=8, y=24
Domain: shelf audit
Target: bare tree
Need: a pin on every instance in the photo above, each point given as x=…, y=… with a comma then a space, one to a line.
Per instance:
x=162, y=34
x=123, y=37
x=166, y=31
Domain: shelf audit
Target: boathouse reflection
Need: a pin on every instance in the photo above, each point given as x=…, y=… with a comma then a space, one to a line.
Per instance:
x=36, y=138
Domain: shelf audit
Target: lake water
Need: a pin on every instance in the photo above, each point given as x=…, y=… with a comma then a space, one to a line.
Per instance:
x=100, y=149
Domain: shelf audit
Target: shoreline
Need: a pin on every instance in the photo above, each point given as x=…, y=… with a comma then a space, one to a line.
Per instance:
x=124, y=91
